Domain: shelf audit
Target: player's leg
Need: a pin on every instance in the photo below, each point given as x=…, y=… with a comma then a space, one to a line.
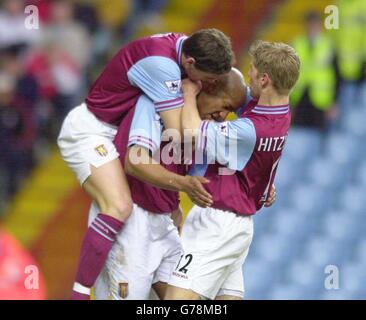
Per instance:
x=213, y=241
x=194, y=277
x=108, y=186
x=160, y=289
x=228, y=297
x=127, y=274
x=233, y=286
x=176, y=293
x=86, y=145
x=170, y=245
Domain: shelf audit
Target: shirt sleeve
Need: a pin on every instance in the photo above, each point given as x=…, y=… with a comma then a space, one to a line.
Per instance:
x=160, y=79
x=146, y=126
x=229, y=143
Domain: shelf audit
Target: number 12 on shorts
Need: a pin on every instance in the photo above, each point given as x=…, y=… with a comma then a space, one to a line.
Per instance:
x=184, y=263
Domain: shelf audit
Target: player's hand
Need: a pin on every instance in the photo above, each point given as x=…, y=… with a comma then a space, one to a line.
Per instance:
x=190, y=87
x=196, y=192
x=272, y=197
x=177, y=217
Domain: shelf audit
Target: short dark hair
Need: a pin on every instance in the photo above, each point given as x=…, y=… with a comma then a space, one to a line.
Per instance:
x=211, y=50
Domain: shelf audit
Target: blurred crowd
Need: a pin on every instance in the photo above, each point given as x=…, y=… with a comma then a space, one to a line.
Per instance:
x=45, y=72
x=333, y=70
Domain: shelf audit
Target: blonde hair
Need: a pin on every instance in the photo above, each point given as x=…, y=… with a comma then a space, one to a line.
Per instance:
x=279, y=60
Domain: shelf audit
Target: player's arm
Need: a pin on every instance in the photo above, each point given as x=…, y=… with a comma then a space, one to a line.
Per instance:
x=191, y=119
x=143, y=142
x=160, y=80
x=141, y=165
x=231, y=143
x=171, y=119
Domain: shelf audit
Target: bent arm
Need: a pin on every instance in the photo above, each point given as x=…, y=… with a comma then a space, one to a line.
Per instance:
x=141, y=165
x=148, y=170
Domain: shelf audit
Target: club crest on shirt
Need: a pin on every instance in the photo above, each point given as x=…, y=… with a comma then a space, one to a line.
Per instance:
x=173, y=86
x=101, y=150
x=223, y=128
x=123, y=289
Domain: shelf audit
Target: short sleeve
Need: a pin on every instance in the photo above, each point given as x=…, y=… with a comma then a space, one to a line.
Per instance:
x=146, y=127
x=160, y=79
x=230, y=143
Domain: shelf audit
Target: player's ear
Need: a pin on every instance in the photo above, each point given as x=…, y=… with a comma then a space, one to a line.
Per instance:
x=191, y=61
x=265, y=80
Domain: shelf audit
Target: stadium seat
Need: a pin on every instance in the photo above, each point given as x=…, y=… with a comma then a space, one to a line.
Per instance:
x=352, y=282
x=354, y=123
x=309, y=198
x=286, y=173
x=342, y=147
x=340, y=294
x=302, y=143
x=276, y=248
x=290, y=292
x=306, y=275
x=350, y=199
x=259, y=277
x=338, y=224
x=361, y=173
x=290, y=223
x=360, y=252
x=327, y=174
x=322, y=251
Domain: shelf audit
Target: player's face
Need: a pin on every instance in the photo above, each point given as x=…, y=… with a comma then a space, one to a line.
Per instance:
x=254, y=82
x=214, y=107
x=198, y=75
x=209, y=80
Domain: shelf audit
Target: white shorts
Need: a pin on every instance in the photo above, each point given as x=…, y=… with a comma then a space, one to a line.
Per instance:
x=146, y=251
x=215, y=245
x=85, y=140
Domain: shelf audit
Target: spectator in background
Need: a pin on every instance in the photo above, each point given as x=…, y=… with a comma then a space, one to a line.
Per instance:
x=73, y=40
x=17, y=135
x=44, y=8
x=313, y=97
x=60, y=80
x=350, y=41
x=26, y=84
x=71, y=35
x=12, y=29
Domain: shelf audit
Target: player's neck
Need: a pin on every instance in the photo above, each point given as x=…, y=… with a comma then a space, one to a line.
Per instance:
x=272, y=98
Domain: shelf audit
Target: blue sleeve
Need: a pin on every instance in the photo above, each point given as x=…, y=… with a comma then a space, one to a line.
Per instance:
x=247, y=100
x=160, y=79
x=229, y=143
x=146, y=127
